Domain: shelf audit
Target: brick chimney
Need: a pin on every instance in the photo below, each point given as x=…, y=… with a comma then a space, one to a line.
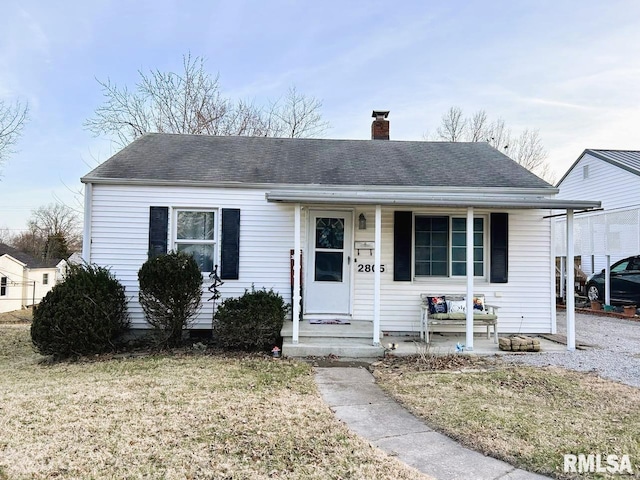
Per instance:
x=380, y=126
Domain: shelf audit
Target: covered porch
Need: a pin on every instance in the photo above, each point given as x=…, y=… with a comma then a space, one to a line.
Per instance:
x=364, y=336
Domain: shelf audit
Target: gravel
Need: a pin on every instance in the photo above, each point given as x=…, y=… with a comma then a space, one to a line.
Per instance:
x=613, y=352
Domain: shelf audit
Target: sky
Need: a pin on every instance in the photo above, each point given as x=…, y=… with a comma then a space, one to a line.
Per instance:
x=569, y=69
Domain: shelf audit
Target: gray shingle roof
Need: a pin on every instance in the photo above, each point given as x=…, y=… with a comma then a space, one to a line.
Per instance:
x=27, y=259
x=209, y=159
x=627, y=159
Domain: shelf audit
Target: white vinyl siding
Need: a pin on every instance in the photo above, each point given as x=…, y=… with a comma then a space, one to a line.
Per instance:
x=120, y=229
x=525, y=301
x=614, y=230
x=120, y=236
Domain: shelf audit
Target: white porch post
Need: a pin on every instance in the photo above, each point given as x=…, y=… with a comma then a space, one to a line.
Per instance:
x=86, y=231
x=296, y=275
x=376, y=276
x=562, y=276
x=607, y=280
x=552, y=277
x=571, y=298
x=469, y=326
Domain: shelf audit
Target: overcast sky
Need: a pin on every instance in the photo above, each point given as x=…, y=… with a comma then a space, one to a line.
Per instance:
x=570, y=69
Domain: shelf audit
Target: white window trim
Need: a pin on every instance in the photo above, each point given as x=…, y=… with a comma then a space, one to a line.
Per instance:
x=450, y=278
x=173, y=228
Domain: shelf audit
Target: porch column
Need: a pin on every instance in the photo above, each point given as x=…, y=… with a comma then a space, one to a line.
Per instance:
x=376, y=276
x=571, y=296
x=607, y=280
x=296, y=275
x=469, y=308
x=86, y=231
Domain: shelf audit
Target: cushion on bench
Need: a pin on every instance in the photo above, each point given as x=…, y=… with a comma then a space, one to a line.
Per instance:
x=462, y=316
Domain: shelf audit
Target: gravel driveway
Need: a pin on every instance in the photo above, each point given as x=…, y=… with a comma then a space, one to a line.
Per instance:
x=615, y=351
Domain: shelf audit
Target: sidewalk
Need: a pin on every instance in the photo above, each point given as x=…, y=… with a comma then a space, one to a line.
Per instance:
x=353, y=396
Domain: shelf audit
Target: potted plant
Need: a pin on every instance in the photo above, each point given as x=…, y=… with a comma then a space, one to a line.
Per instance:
x=595, y=305
x=629, y=310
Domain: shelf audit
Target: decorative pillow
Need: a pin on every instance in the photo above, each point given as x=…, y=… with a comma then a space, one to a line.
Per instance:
x=437, y=305
x=457, y=306
x=478, y=304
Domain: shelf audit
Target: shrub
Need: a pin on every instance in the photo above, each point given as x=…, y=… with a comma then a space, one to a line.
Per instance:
x=170, y=294
x=82, y=315
x=250, y=322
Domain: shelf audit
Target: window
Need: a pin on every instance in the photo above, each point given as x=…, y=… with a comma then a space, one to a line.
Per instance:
x=45, y=279
x=3, y=286
x=195, y=234
x=441, y=243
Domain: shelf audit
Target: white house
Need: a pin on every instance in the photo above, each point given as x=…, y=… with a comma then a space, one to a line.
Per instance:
x=377, y=222
x=24, y=280
x=613, y=177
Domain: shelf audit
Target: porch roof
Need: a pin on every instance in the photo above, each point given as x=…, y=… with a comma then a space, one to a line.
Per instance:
x=332, y=197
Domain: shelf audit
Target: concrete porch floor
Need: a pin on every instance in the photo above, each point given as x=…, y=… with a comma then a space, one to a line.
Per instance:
x=444, y=343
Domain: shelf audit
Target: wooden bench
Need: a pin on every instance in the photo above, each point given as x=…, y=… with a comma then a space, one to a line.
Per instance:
x=486, y=315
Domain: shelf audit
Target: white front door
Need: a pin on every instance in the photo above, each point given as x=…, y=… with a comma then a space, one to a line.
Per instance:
x=328, y=277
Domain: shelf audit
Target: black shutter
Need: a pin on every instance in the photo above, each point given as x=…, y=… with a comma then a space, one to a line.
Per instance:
x=402, y=246
x=230, y=244
x=158, y=230
x=499, y=248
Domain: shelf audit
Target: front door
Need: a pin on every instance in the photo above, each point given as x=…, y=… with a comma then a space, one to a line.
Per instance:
x=328, y=278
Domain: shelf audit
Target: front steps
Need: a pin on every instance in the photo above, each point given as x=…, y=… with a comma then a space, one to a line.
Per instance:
x=320, y=340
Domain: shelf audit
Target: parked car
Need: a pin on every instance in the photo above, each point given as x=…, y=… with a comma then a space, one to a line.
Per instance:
x=625, y=283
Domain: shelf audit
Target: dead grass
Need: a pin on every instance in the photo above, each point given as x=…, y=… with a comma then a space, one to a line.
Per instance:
x=189, y=416
x=529, y=417
x=17, y=316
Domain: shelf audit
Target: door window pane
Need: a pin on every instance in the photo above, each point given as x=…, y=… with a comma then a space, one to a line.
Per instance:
x=328, y=267
x=330, y=233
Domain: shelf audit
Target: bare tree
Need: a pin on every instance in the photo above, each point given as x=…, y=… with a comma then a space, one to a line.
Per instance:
x=453, y=127
x=526, y=149
x=192, y=102
x=53, y=232
x=12, y=120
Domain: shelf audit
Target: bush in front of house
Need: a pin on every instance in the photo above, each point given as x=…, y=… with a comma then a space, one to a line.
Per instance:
x=170, y=294
x=250, y=322
x=83, y=315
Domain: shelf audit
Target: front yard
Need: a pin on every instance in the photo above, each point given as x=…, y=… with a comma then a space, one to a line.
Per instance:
x=529, y=417
x=183, y=416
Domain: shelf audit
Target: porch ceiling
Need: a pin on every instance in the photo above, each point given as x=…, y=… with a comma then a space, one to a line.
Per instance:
x=421, y=199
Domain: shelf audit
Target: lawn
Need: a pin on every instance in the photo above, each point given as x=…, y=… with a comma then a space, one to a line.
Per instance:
x=529, y=417
x=186, y=415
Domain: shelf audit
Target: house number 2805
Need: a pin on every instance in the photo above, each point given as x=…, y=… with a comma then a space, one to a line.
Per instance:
x=368, y=268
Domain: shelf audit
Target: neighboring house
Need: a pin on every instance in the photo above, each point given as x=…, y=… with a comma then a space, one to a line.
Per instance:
x=612, y=177
x=24, y=280
x=378, y=223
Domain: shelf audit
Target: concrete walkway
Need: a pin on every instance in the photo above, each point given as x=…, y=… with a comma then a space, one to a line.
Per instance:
x=356, y=400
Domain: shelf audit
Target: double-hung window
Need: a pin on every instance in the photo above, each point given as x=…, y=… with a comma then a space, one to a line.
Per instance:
x=45, y=279
x=3, y=286
x=195, y=234
x=441, y=246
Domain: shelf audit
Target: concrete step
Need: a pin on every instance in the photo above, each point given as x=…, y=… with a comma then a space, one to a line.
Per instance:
x=349, y=350
x=356, y=329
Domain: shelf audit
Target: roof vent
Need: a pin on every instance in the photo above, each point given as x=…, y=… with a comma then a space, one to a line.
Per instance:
x=380, y=126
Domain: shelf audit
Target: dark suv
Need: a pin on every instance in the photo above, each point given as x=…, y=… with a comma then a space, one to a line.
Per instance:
x=625, y=283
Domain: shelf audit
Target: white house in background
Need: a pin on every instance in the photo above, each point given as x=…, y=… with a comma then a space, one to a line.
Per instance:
x=25, y=280
x=377, y=222
x=613, y=177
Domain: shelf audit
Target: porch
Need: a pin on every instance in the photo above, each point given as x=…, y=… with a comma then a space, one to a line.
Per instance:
x=354, y=341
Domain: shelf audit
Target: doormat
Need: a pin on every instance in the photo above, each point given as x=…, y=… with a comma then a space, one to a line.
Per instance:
x=329, y=321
